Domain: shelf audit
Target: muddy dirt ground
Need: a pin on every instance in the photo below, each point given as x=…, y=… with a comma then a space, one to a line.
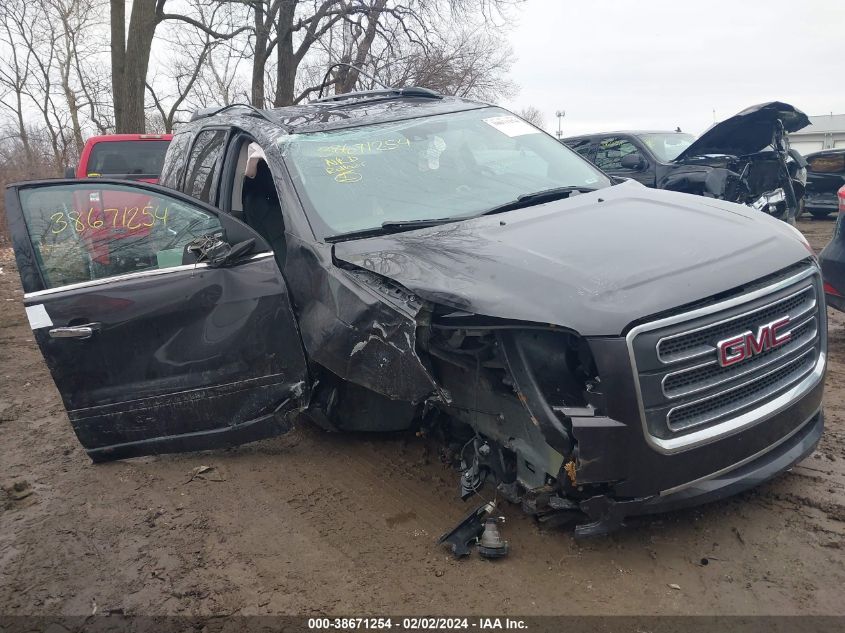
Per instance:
x=312, y=523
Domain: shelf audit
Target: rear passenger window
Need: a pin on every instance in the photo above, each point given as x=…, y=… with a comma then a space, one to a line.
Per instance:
x=84, y=232
x=202, y=171
x=174, y=161
x=610, y=152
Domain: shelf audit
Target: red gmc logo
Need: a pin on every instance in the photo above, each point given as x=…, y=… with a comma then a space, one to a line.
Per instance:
x=737, y=348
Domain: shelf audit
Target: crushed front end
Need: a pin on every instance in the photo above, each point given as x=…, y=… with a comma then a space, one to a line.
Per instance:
x=610, y=427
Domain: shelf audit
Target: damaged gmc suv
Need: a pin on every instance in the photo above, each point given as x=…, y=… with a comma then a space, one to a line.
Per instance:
x=397, y=259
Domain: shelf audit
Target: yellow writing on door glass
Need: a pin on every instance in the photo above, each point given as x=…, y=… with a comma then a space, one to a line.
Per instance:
x=129, y=218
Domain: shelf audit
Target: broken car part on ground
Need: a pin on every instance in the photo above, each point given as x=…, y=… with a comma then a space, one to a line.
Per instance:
x=744, y=159
x=398, y=259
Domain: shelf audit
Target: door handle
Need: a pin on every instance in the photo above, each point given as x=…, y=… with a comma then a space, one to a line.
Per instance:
x=75, y=331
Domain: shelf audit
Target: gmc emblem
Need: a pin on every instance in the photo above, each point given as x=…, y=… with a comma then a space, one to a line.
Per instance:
x=737, y=348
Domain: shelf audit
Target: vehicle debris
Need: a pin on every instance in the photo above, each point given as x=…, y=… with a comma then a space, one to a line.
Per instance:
x=206, y=473
x=491, y=544
x=466, y=533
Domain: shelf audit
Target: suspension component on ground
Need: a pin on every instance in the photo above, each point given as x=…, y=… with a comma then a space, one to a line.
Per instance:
x=466, y=533
x=491, y=544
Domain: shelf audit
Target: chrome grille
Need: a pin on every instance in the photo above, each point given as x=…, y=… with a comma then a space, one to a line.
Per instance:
x=739, y=396
x=683, y=389
x=697, y=343
x=710, y=374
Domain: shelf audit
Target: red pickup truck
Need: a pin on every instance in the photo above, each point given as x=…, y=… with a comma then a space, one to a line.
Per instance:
x=132, y=156
x=108, y=222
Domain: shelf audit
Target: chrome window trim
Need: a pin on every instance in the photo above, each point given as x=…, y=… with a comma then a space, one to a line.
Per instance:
x=789, y=282
x=749, y=370
x=747, y=420
x=151, y=272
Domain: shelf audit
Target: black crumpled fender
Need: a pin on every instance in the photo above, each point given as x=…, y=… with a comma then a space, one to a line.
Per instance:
x=713, y=182
x=358, y=325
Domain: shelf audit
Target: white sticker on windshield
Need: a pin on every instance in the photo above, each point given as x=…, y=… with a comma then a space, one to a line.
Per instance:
x=38, y=316
x=511, y=126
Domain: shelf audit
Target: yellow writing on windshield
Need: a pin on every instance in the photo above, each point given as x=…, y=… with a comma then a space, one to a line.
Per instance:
x=381, y=145
x=345, y=169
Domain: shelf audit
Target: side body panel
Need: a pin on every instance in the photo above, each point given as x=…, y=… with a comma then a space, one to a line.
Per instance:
x=179, y=358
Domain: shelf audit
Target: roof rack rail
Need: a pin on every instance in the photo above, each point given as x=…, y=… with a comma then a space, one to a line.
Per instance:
x=410, y=91
x=205, y=112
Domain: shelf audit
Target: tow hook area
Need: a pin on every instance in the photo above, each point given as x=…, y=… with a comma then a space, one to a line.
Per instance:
x=477, y=528
x=607, y=515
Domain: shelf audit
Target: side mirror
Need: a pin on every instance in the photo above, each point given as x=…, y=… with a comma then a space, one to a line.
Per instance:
x=238, y=250
x=221, y=254
x=70, y=172
x=633, y=161
x=216, y=252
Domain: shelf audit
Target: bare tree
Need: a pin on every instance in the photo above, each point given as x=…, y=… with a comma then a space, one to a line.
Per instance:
x=31, y=28
x=189, y=49
x=15, y=68
x=130, y=56
x=533, y=115
x=440, y=44
x=221, y=81
x=76, y=23
x=46, y=75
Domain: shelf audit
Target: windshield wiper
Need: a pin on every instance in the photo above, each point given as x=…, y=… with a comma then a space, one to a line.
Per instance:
x=417, y=224
x=398, y=226
x=392, y=226
x=538, y=197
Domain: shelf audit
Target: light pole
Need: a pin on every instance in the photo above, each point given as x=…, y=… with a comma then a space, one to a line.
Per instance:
x=560, y=114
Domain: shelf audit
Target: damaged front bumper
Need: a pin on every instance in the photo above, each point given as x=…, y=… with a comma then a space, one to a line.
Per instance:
x=607, y=514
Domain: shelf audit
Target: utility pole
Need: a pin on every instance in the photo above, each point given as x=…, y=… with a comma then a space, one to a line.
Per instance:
x=560, y=114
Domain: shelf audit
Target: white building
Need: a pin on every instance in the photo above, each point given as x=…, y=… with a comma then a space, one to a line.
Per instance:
x=826, y=131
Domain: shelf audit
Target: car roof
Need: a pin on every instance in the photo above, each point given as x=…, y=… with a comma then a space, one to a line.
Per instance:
x=617, y=132
x=345, y=111
x=108, y=138
x=826, y=152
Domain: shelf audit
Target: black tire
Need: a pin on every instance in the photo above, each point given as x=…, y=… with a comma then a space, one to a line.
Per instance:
x=819, y=213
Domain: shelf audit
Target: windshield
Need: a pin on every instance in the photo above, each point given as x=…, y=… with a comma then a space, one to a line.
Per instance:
x=119, y=158
x=450, y=165
x=667, y=146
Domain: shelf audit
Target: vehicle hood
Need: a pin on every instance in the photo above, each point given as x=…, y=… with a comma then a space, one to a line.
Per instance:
x=593, y=263
x=747, y=132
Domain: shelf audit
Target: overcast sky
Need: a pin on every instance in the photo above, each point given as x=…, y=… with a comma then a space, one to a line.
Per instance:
x=658, y=64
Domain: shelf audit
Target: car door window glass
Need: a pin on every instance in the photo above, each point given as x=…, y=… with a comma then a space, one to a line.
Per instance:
x=83, y=232
x=583, y=147
x=202, y=172
x=174, y=161
x=610, y=152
